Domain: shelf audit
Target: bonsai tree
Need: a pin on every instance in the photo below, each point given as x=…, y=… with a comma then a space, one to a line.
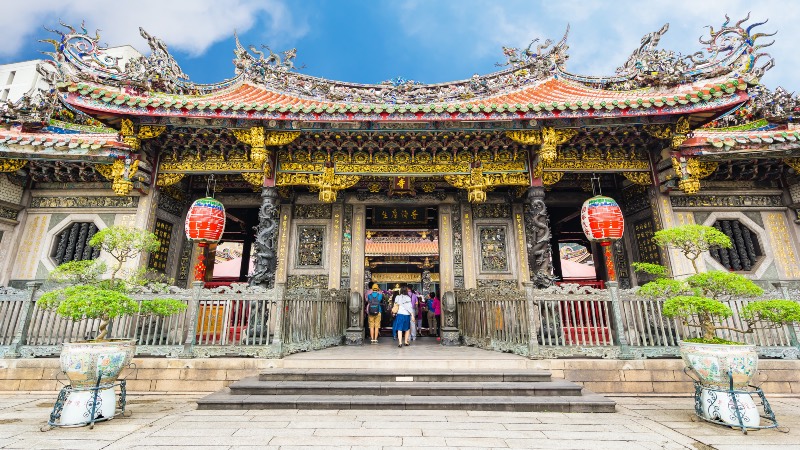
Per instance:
x=88, y=296
x=692, y=240
x=123, y=244
x=698, y=300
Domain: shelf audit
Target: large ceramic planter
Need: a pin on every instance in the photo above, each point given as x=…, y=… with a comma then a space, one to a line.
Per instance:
x=84, y=363
x=713, y=362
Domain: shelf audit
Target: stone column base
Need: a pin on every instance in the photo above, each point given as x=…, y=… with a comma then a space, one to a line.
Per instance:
x=451, y=336
x=354, y=336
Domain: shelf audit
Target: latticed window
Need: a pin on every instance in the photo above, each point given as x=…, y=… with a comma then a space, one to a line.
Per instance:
x=72, y=243
x=746, y=250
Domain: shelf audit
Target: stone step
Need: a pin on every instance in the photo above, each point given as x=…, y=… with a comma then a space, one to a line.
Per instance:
x=585, y=403
x=387, y=375
x=410, y=364
x=253, y=386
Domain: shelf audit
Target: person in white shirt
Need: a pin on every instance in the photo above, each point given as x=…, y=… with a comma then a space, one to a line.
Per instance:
x=405, y=314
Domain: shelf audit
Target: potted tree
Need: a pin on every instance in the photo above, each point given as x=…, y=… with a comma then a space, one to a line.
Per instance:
x=698, y=301
x=94, y=365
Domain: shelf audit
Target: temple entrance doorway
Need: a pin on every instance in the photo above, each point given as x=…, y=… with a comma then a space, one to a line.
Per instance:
x=402, y=250
x=231, y=259
x=576, y=260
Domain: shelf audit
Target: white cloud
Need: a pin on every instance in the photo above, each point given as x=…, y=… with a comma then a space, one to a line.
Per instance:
x=188, y=25
x=602, y=34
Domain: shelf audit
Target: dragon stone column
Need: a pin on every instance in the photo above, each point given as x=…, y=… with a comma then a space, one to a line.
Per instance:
x=537, y=232
x=266, y=239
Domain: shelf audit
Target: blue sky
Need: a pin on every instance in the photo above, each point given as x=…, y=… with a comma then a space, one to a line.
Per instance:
x=425, y=40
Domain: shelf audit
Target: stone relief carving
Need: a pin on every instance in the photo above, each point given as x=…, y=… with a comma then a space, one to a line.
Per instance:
x=265, y=243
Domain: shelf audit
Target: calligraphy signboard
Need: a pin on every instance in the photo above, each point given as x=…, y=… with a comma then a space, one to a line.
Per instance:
x=398, y=215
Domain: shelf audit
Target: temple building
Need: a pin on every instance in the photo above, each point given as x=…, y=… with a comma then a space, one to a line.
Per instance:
x=475, y=184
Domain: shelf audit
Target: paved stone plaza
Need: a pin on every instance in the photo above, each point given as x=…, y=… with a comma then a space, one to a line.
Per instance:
x=171, y=421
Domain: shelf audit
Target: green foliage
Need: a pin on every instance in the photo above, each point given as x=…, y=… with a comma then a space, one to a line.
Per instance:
x=162, y=307
x=716, y=340
x=665, y=288
x=717, y=283
x=649, y=268
x=777, y=312
x=687, y=306
x=88, y=301
x=124, y=242
x=78, y=272
x=692, y=240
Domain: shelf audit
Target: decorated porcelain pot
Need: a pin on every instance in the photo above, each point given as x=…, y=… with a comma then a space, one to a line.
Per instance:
x=713, y=362
x=720, y=406
x=83, y=362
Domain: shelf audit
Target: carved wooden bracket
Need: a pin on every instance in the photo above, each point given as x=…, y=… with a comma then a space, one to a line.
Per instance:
x=120, y=174
x=548, y=137
x=133, y=137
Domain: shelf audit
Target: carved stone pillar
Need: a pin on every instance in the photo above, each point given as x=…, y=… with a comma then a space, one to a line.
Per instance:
x=450, y=334
x=266, y=239
x=426, y=282
x=537, y=232
x=355, y=330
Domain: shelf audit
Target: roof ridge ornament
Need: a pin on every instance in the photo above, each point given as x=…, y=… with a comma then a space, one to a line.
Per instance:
x=730, y=49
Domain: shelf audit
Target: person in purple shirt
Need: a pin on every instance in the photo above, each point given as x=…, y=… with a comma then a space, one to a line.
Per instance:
x=437, y=311
x=414, y=306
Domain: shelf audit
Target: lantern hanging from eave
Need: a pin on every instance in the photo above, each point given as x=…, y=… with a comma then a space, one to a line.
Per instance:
x=602, y=222
x=205, y=223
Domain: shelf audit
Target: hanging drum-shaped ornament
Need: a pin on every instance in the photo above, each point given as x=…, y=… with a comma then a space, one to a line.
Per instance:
x=205, y=221
x=601, y=218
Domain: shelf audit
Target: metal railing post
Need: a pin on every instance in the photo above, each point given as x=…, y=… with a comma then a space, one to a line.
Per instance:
x=192, y=314
x=619, y=327
x=24, y=320
x=533, y=321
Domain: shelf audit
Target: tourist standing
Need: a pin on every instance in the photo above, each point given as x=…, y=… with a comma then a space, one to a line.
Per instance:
x=405, y=313
x=431, y=313
x=414, y=303
x=419, y=313
x=437, y=310
x=374, y=313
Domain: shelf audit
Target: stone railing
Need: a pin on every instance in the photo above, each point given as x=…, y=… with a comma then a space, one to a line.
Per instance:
x=572, y=320
x=233, y=321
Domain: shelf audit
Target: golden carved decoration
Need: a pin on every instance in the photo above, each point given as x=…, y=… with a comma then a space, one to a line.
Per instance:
x=168, y=179
x=12, y=165
x=119, y=174
x=794, y=163
x=701, y=169
x=548, y=137
x=548, y=178
x=151, y=131
x=677, y=133
x=593, y=165
x=134, y=139
x=209, y=166
x=254, y=178
x=392, y=169
x=301, y=167
x=327, y=183
x=374, y=187
x=687, y=182
x=278, y=138
x=640, y=178
x=659, y=131
x=477, y=183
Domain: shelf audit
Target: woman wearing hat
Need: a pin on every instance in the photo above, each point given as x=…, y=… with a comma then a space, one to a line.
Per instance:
x=374, y=310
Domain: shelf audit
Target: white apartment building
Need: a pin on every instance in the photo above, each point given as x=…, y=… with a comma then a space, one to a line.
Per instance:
x=16, y=79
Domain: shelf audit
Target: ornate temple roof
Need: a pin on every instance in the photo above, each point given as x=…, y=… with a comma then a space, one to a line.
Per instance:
x=533, y=85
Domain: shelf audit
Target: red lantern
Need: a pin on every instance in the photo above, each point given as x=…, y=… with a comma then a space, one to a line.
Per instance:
x=205, y=224
x=602, y=221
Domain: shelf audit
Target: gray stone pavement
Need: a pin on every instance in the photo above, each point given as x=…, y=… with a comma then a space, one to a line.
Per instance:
x=171, y=421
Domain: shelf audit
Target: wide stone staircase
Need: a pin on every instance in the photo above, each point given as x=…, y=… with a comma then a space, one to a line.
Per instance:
x=404, y=388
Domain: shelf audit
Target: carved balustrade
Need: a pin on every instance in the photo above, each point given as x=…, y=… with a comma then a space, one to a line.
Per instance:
x=236, y=320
